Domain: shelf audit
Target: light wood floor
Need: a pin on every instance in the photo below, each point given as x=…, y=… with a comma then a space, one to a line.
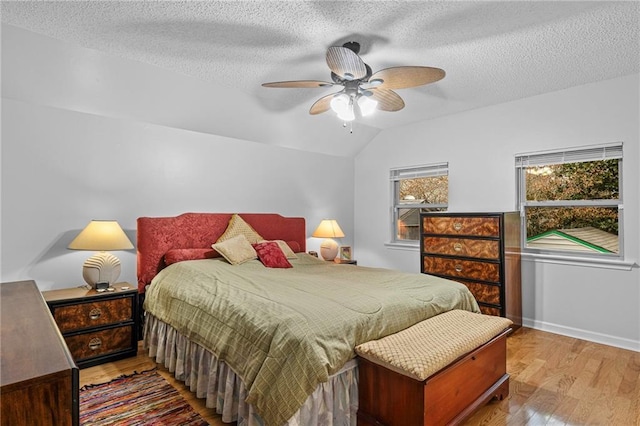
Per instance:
x=555, y=380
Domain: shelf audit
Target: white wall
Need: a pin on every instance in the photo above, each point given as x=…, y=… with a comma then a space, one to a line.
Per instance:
x=480, y=145
x=61, y=169
x=89, y=136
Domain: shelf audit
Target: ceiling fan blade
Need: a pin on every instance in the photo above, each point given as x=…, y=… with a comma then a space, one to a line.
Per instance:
x=345, y=63
x=388, y=100
x=303, y=84
x=322, y=105
x=403, y=77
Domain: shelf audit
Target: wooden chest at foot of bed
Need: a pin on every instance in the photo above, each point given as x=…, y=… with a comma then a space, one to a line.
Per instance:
x=389, y=396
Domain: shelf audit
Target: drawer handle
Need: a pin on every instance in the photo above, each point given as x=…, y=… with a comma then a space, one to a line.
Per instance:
x=95, y=313
x=458, y=268
x=95, y=343
x=457, y=247
x=457, y=226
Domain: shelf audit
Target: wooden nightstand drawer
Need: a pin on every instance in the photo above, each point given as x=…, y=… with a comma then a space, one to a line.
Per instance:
x=96, y=343
x=465, y=247
x=460, y=225
x=459, y=268
x=97, y=327
x=93, y=314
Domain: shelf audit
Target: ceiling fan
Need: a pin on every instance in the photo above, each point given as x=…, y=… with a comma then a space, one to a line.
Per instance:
x=363, y=91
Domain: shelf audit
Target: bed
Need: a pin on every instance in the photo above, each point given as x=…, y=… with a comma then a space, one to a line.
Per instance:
x=270, y=345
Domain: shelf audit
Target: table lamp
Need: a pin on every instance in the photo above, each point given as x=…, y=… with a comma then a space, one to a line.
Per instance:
x=101, y=236
x=328, y=229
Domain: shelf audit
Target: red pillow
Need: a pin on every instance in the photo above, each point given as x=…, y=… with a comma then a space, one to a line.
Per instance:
x=295, y=247
x=271, y=255
x=179, y=255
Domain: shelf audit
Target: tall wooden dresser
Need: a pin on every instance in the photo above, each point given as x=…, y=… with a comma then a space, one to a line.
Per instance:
x=479, y=250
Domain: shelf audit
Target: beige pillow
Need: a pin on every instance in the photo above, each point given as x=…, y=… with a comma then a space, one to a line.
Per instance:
x=236, y=250
x=237, y=226
x=285, y=248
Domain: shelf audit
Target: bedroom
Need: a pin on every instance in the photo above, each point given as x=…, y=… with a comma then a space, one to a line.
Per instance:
x=88, y=134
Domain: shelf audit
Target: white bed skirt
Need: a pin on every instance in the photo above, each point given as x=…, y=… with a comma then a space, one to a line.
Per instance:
x=333, y=403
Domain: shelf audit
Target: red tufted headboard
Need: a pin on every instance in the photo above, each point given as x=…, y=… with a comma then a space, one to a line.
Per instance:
x=156, y=235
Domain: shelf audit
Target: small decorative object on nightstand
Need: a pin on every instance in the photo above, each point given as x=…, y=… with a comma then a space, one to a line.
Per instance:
x=101, y=235
x=97, y=326
x=345, y=252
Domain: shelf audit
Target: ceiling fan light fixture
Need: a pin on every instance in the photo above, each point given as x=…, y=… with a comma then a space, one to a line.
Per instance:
x=347, y=114
x=364, y=91
x=340, y=103
x=367, y=105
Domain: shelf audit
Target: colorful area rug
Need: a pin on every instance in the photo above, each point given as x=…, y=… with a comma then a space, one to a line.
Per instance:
x=139, y=399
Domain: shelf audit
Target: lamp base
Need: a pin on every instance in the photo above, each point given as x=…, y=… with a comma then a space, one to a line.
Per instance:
x=100, y=268
x=329, y=249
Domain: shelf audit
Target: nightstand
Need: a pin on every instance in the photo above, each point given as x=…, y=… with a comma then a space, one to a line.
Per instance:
x=346, y=261
x=98, y=327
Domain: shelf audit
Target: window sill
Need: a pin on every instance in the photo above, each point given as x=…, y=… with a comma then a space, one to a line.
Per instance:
x=402, y=245
x=617, y=264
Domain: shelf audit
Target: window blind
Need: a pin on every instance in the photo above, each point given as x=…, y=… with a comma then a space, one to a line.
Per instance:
x=440, y=169
x=577, y=155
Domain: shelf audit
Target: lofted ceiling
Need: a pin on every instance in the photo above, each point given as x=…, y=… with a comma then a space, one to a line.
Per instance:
x=492, y=52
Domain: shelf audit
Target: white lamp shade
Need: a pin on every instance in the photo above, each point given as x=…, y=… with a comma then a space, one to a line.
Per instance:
x=328, y=228
x=101, y=235
x=342, y=105
x=367, y=105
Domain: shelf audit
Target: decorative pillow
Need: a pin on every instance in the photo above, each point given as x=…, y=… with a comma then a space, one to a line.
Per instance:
x=237, y=226
x=179, y=255
x=289, y=254
x=236, y=250
x=295, y=246
x=271, y=255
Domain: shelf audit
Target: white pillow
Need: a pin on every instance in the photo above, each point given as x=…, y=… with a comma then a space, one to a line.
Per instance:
x=236, y=250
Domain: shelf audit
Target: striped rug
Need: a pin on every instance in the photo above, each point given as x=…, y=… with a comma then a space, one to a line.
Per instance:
x=139, y=399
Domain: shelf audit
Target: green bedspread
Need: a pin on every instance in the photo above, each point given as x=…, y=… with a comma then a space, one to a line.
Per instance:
x=284, y=331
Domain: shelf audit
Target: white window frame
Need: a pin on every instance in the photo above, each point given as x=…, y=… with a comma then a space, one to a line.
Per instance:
x=411, y=172
x=563, y=156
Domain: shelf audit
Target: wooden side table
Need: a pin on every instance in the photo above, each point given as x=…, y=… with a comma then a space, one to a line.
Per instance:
x=98, y=327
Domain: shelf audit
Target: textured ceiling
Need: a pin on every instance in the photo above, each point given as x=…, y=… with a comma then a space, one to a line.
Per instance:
x=493, y=52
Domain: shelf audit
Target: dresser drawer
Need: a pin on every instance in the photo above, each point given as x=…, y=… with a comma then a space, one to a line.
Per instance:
x=460, y=225
x=102, y=342
x=484, y=293
x=465, y=247
x=459, y=268
x=93, y=314
x=488, y=310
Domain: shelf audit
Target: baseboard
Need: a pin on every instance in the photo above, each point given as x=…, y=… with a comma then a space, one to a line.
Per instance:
x=577, y=333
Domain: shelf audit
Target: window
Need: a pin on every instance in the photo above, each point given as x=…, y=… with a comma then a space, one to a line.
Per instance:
x=414, y=190
x=571, y=200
